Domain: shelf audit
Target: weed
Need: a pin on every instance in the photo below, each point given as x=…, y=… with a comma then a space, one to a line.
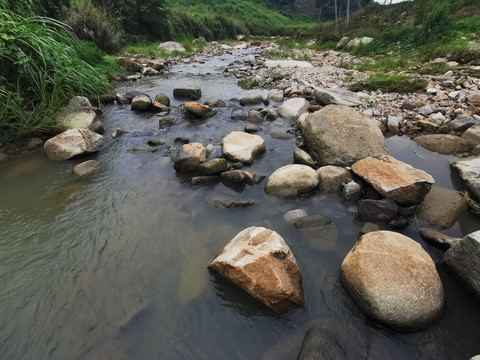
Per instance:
x=247, y=83
x=389, y=83
x=474, y=205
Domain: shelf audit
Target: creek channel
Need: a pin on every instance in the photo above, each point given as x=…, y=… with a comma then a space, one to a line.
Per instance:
x=114, y=266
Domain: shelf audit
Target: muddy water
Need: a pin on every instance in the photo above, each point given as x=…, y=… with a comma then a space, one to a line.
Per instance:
x=114, y=266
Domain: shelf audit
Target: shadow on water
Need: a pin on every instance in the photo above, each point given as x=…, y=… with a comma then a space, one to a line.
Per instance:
x=114, y=266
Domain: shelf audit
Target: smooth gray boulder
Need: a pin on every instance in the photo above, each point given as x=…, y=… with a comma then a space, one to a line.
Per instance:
x=275, y=95
x=339, y=135
x=291, y=109
x=336, y=97
x=393, y=281
x=464, y=259
x=291, y=181
x=172, y=46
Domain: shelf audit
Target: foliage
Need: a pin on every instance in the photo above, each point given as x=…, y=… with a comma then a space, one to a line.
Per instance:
x=247, y=83
x=399, y=83
x=474, y=205
x=39, y=71
x=93, y=23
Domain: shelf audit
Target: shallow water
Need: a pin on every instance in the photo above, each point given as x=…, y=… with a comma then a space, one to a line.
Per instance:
x=114, y=266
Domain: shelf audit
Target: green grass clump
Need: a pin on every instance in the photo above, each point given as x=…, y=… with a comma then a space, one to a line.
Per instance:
x=399, y=83
x=247, y=83
x=40, y=70
x=151, y=49
x=474, y=205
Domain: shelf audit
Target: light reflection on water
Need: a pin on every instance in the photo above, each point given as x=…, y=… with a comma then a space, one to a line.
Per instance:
x=114, y=266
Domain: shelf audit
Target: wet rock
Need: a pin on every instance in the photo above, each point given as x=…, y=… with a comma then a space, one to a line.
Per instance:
x=229, y=204
x=33, y=143
x=97, y=127
x=128, y=64
x=198, y=110
x=271, y=115
x=352, y=191
x=243, y=147
x=204, y=180
x=141, y=103
x=393, y=281
x=275, y=95
x=369, y=227
x=121, y=99
x=394, y=179
x=144, y=149
x=253, y=179
x=336, y=97
x=442, y=143
x=254, y=116
x=189, y=157
x=461, y=123
x=291, y=109
x=312, y=221
x=302, y=157
x=469, y=170
x=442, y=207
x=165, y=122
x=73, y=142
x=332, y=178
x=252, y=128
x=187, y=93
x=171, y=46
x=216, y=103
x=428, y=127
x=251, y=100
x=474, y=99
x=437, y=238
x=155, y=142
x=131, y=94
x=294, y=215
x=377, y=210
x=259, y=261
x=238, y=114
x=182, y=140
x=291, y=181
x=159, y=109
x=213, y=167
x=339, y=135
x=464, y=258
x=162, y=99
x=472, y=136
x=235, y=178
x=86, y=168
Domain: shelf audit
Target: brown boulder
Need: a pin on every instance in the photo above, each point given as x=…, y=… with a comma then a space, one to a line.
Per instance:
x=198, y=110
x=260, y=262
x=72, y=143
x=393, y=281
x=394, y=179
x=128, y=64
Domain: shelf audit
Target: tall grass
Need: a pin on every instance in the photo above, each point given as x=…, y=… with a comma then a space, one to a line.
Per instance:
x=39, y=71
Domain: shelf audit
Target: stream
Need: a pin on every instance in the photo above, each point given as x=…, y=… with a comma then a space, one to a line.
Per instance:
x=114, y=266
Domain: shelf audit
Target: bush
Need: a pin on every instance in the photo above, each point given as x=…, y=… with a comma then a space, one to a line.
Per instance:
x=389, y=83
x=436, y=25
x=93, y=23
x=39, y=71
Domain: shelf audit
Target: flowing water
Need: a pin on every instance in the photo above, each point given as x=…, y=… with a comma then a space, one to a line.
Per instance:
x=113, y=266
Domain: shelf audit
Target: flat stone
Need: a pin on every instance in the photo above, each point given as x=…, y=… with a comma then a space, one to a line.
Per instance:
x=339, y=135
x=336, y=97
x=437, y=238
x=204, y=180
x=291, y=181
x=461, y=123
x=165, y=122
x=312, y=221
x=287, y=64
x=469, y=170
x=369, y=227
x=472, y=136
x=144, y=149
x=394, y=179
x=294, y=215
x=442, y=207
x=260, y=262
x=238, y=114
x=155, y=142
x=86, y=168
x=243, y=147
x=464, y=258
x=229, y=204
x=252, y=128
x=393, y=281
x=73, y=142
x=216, y=103
x=291, y=109
x=332, y=178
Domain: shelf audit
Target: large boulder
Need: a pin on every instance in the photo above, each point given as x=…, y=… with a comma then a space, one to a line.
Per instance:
x=469, y=170
x=442, y=143
x=243, y=147
x=336, y=97
x=190, y=157
x=172, y=46
x=393, y=281
x=291, y=181
x=442, y=207
x=260, y=262
x=401, y=182
x=73, y=142
x=339, y=135
x=291, y=109
x=464, y=259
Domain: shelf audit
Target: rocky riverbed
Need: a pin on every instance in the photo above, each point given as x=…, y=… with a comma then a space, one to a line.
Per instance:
x=290, y=192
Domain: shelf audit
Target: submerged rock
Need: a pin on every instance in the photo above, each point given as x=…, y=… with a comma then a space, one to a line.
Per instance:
x=377, y=210
x=393, y=281
x=394, y=179
x=442, y=143
x=88, y=167
x=464, y=258
x=228, y=204
x=213, y=167
x=437, y=238
x=291, y=181
x=339, y=135
x=242, y=147
x=73, y=142
x=187, y=93
x=260, y=262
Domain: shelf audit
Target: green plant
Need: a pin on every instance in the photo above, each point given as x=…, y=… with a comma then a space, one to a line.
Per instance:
x=247, y=83
x=389, y=83
x=474, y=205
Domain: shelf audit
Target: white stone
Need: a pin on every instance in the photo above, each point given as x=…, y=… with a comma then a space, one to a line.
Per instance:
x=287, y=64
x=291, y=181
x=293, y=108
x=243, y=147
